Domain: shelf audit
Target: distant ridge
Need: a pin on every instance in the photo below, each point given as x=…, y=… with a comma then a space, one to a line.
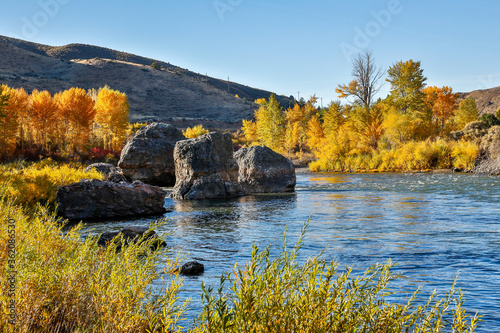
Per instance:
x=171, y=94
x=487, y=100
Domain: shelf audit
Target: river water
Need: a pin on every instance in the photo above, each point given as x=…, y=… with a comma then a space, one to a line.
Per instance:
x=434, y=226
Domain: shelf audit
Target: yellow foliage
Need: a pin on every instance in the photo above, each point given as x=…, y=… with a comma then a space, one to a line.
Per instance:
x=111, y=118
x=194, y=132
x=43, y=118
x=249, y=129
x=464, y=155
x=315, y=133
x=39, y=182
x=76, y=110
x=65, y=283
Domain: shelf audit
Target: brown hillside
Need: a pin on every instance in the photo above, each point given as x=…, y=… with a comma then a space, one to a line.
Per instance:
x=170, y=94
x=487, y=100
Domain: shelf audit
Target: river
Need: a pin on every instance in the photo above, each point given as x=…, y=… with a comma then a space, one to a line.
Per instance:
x=434, y=226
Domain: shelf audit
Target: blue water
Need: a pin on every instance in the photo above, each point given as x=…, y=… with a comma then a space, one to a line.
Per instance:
x=434, y=226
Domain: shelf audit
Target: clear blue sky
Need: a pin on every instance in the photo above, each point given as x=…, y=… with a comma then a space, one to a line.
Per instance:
x=284, y=46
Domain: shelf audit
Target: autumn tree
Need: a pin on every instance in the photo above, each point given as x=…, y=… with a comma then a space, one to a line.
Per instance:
x=315, y=133
x=8, y=123
x=443, y=103
x=18, y=104
x=270, y=122
x=407, y=83
x=297, y=120
x=368, y=124
x=111, y=118
x=76, y=111
x=249, y=128
x=43, y=118
x=466, y=112
x=334, y=117
x=365, y=84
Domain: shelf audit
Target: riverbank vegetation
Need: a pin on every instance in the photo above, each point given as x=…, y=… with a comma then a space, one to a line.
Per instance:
x=416, y=127
x=60, y=282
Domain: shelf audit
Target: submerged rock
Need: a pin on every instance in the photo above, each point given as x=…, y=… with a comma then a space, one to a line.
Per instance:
x=132, y=235
x=192, y=268
x=261, y=170
x=148, y=156
x=98, y=199
x=205, y=168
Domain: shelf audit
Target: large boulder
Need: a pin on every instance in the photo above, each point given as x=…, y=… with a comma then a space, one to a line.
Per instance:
x=99, y=199
x=261, y=170
x=148, y=156
x=205, y=168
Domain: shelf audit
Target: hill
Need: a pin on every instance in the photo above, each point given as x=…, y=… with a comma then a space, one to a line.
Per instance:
x=168, y=93
x=487, y=100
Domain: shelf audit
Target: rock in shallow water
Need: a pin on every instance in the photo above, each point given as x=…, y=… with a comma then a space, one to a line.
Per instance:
x=205, y=168
x=261, y=170
x=148, y=156
x=98, y=199
x=192, y=268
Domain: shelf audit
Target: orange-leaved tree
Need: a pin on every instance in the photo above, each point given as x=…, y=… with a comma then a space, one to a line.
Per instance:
x=43, y=118
x=8, y=124
x=76, y=110
x=111, y=118
x=443, y=103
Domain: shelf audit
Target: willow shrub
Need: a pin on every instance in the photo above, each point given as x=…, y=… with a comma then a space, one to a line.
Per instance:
x=66, y=284
x=411, y=156
x=283, y=295
x=38, y=182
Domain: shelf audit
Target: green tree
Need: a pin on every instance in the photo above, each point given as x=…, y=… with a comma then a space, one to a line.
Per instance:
x=466, y=112
x=407, y=81
x=490, y=119
x=270, y=121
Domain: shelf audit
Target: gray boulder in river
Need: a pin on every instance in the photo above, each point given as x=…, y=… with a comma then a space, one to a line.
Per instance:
x=261, y=170
x=99, y=199
x=148, y=156
x=205, y=168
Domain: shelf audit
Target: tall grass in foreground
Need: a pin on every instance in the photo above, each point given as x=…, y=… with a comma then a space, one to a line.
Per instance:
x=281, y=295
x=66, y=284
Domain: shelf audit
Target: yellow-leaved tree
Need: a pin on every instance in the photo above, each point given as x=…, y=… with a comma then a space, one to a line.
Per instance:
x=8, y=124
x=76, y=110
x=111, y=118
x=270, y=122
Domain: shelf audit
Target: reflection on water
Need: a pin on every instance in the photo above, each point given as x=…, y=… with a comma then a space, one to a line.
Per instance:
x=433, y=225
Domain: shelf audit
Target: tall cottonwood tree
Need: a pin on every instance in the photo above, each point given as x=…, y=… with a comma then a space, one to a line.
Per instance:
x=8, y=123
x=270, y=122
x=43, y=118
x=407, y=83
x=365, y=84
x=76, y=110
x=111, y=118
x=443, y=103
